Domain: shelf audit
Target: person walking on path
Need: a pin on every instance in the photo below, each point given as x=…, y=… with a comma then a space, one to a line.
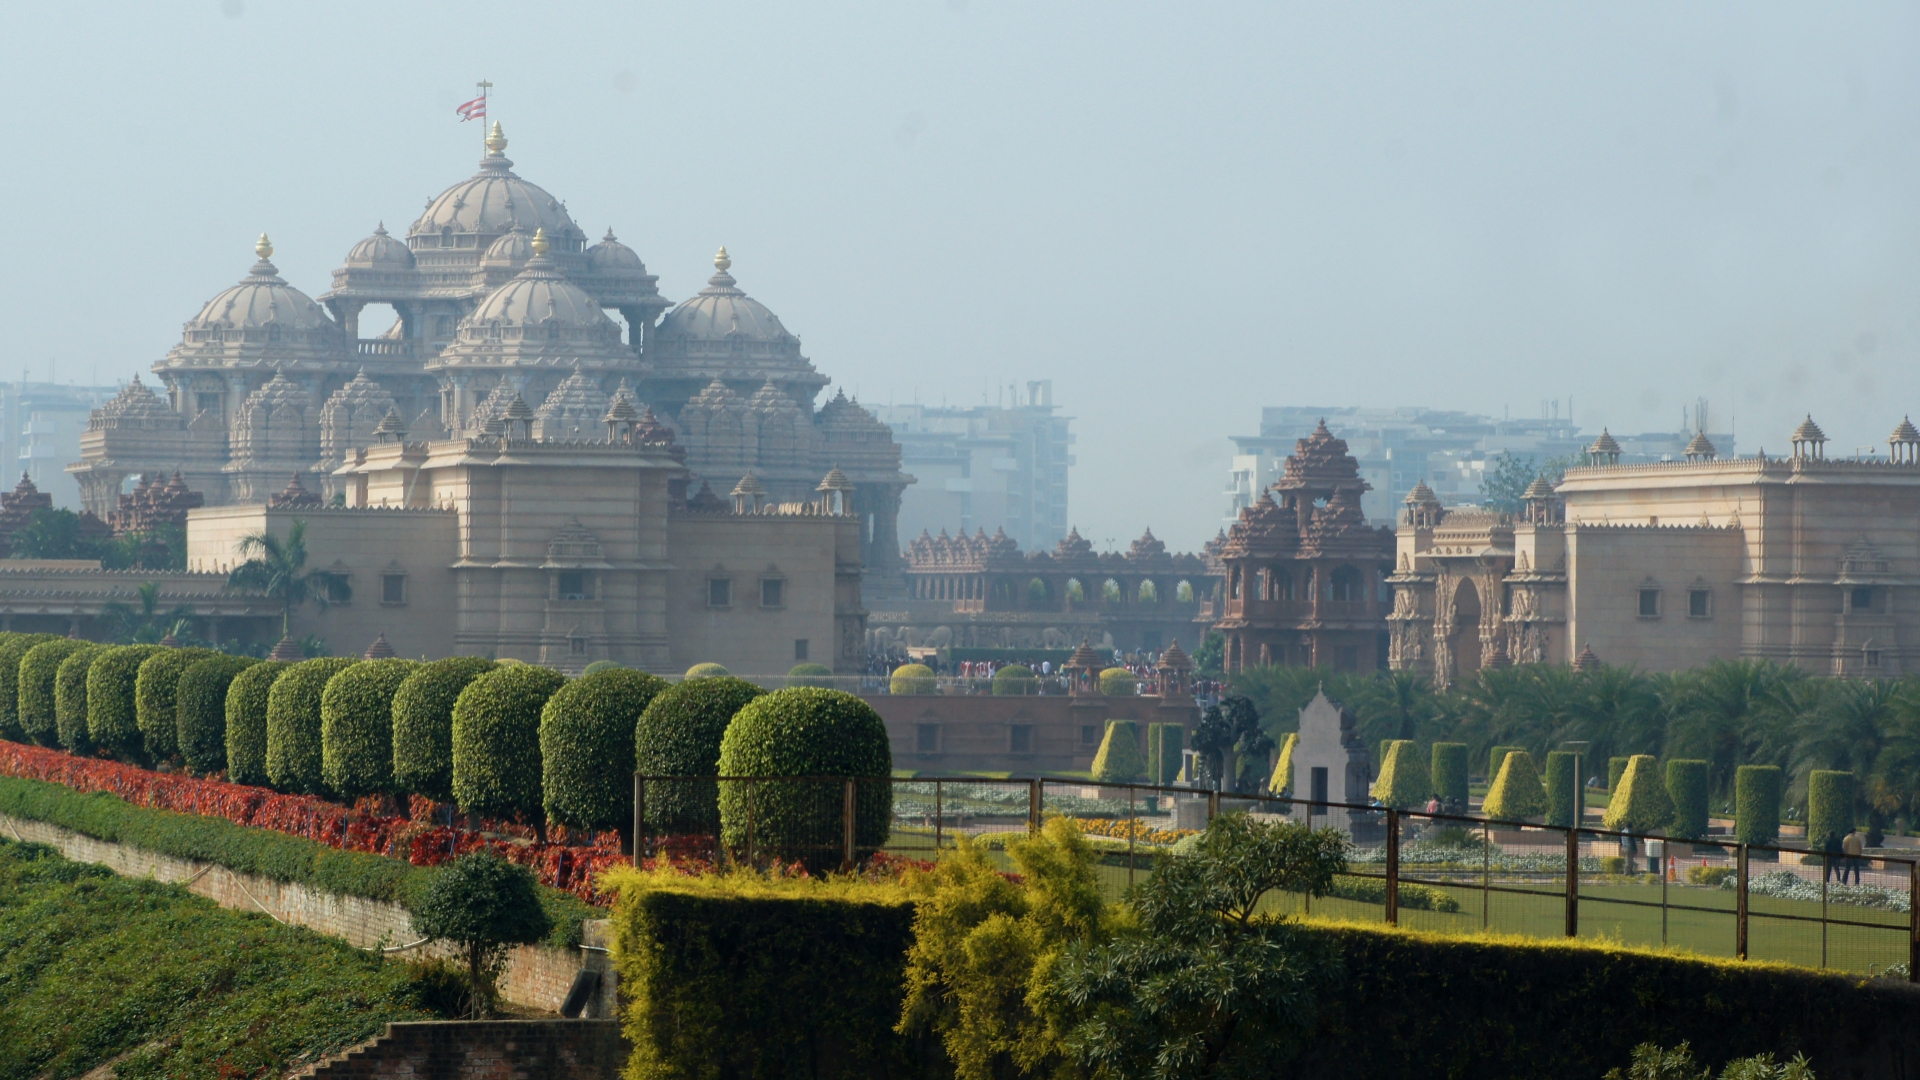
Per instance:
x=1830, y=859
x=1854, y=847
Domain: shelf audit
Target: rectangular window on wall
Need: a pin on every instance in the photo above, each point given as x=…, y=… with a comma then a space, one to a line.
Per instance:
x=1863, y=599
x=799, y=648
x=926, y=738
x=1089, y=736
x=773, y=592
x=393, y=588
x=1317, y=788
x=1649, y=603
x=719, y=592
x=1020, y=738
x=1699, y=606
x=573, y=585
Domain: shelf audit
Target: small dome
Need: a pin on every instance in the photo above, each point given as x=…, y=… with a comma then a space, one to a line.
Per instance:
x=1905, y=433
x=380, y=252
x=722, y=313
x=512, y=250
x=1605, y=444
x=262, y=299
x=1699, y=447
x=1421, y=495
x=835, y=481
x=1808, y=432
x=610, y=256
x=1539, y=489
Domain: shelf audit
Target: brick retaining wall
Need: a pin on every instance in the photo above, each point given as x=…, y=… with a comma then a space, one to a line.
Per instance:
x=537, y=976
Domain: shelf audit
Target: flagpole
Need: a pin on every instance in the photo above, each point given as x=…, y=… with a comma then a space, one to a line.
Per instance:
x=483, y=86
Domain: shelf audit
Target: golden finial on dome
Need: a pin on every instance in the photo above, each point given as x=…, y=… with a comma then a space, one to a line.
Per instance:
x=496, y=141
x=540, y=242
x=263, y=247
x=722, y=262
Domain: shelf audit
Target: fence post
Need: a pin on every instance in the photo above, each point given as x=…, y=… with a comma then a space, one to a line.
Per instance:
x=846, y=826
x=1913, y=922
x=1033, y=806
x=1573, y=881
x=939, y=817
x=1133, y=826
x=639, y=818
x=1740, y=905
x=1393, y=866
x=1213, y=805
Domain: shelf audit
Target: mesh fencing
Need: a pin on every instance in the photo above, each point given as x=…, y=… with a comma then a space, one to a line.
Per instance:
x=1439, y=872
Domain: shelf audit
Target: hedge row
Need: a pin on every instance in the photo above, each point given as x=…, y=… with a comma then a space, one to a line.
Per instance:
x=70, y=699
x=585, y=724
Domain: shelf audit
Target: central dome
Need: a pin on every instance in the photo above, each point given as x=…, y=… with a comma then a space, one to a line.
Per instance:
x=491, y=202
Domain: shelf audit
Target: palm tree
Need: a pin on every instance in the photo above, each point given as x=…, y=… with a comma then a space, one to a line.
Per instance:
x=274, y=567
x=148, y=623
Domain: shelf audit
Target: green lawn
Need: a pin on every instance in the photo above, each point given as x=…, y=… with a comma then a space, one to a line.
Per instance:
x=94, y=966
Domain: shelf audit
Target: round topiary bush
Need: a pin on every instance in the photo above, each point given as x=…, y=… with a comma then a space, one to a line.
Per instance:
x=913, y=679
x=805, y=732
x=1015, y=680
x=599, y=666
x=483, y=904
x=1119, y=682
x=247, y=697
x=705, y=671
x=423, y=724
x=12, y=648
x=356, y=727
x=810, y=675
x=153, y=698
x=70, y=698
x=586, y=747
x=293, y=724
x=112, y=720
x=200, y=706
x=496, y=741
x=37, y=670
x=679, y=735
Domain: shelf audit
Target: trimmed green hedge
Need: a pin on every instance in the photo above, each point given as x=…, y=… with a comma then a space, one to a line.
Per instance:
x=810, y=675
x=1616, y=768
x=1014, y=680
x=39, y=717
x=599, y=666
x=1118, y=760
x=112, y=720
x=1448, y=771
x=423, y=724
x=746, y=986
x=293, y=724
x=679, y=735
x=1281, y=782
x=913, y=679
x=154, y=688
x=814, y=733
x=1563, y=788
x=249, y=850
x=587, y=747
x=12, y=648
x=1516, y=794
x=705, y=671
x=356, y=727
x=1403, y=783
x=247, y=721
x=1119, y=682
x=1496, y=757
x=1687, y=787
x=1756, y=804
x=496, y=741
x=70, y=698
x=1830, y=795
x=1164, y=745
x=200, y=703
x=1639, y=803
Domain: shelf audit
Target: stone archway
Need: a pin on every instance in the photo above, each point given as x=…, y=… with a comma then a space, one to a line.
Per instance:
x=1465, y=638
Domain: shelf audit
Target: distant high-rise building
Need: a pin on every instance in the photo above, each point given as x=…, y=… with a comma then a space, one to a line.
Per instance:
x=986, y=467
x=1400, y=447
x=40, y=427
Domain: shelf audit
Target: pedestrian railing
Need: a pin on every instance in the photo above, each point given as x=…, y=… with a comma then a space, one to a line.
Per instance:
x=1451, y=873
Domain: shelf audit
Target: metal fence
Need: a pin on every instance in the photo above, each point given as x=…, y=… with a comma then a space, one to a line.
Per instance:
x=1441, y=872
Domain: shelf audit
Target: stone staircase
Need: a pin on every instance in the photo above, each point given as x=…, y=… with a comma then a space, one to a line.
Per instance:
x=481, y=1050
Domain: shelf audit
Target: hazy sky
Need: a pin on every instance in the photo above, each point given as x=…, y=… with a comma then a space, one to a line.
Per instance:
x=1177, y=212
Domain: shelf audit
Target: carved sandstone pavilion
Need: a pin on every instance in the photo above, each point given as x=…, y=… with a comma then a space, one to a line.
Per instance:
x=1804, y=559
x=497, y=296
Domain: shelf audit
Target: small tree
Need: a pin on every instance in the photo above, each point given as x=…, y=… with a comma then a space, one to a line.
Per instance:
x=1015, y=680
x=356, y=727
x=496, y=742
x=1163, y=752
x=484, y=904
x=913, y=679
x=1687, y=787
x=1119, y=682
x=1251, y=743
x=806, y=732
x=247, y=697
x=1204, y=984
x=1403, y=783
x=1213, y=737
x=423, y=724
x=293, y=724
x=810, y=675
x=38, y=669
x=1756, y=804
x=679, y=734
x=277, y=568
x=155, y=689
x=112, y=715
x=144, y=623
x=1640, y=804
x=586, y=747
x=70, y=698
x=1516, y=794
x=200, y=704
x=12, y=648
x=1449, y=774
x=1118, y=760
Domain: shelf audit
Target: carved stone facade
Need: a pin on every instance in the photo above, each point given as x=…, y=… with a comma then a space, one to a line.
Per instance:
x=497, y=297
x=1305, y=575
x=1804, y=560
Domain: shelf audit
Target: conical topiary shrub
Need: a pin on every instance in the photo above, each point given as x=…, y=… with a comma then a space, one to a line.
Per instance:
x=1403, y=783
x=1496, y=757
x=1640, y=803
x=1516, y=794
x=1281, y=783
x=1119, y=760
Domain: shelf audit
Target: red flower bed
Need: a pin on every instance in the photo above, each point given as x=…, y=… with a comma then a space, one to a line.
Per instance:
x=368, y=826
